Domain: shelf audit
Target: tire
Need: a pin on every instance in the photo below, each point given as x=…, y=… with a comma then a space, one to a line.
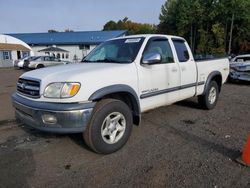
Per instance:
x=230, y=80
x=98, y=134
x=39, y=66
x=209, y=100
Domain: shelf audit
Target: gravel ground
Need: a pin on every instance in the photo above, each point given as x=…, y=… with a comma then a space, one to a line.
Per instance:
x=175, y=146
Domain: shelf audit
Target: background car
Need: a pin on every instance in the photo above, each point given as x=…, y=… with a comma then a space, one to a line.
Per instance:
x=240, y=58
x=19, y=63
x=240, y=68
x=43, y=61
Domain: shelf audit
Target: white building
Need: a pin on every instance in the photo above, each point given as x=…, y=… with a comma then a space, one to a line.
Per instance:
x=12, y=49
x=71, y=46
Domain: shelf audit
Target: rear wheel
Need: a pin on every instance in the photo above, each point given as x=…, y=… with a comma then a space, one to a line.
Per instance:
x=39, y=66
x=209, y=99
x=109, y=127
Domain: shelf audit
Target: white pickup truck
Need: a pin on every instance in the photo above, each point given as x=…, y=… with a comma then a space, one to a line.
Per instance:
x=103, y=96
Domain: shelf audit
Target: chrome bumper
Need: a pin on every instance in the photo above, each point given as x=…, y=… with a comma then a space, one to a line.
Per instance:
x=71, y=118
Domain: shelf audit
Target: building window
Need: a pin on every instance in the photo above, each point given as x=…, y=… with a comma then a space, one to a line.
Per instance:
x=58, y=56
x=84, y=47
x=25, y=54
x=63, y=56
x=6, y=55
x=75, y=57
x=67, y=56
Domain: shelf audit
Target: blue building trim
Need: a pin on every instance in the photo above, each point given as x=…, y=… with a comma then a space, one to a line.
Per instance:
x=68, y=38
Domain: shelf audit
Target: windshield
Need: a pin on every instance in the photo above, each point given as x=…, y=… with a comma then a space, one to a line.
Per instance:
x=116, y=51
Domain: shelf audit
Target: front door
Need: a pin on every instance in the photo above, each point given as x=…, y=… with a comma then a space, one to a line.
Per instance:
x=158, y=83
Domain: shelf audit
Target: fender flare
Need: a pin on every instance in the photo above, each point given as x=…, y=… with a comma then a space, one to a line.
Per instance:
x=209, y=78
x=117, y=89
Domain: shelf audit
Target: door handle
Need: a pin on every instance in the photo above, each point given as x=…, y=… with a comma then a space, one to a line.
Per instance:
x=174, y=69
x=183, y=68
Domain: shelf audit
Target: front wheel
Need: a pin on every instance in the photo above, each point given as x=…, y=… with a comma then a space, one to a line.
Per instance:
x=109, y=127
x=209, y=99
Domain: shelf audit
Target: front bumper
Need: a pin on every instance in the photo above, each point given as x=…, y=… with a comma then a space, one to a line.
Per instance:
x=245, y=76
x=71, y=117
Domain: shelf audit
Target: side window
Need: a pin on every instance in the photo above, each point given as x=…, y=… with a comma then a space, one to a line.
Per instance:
x=239, y=60
x=181, y=50
x=52, y=58
x=46, y=58
x=246, y=58
x=161, y=46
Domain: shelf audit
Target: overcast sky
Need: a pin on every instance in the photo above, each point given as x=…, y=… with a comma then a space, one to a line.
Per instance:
x=24, y=16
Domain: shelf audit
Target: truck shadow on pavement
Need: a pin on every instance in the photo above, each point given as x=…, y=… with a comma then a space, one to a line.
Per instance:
x=17, y=166
x=190, y=103
x=77, y=138
x=238, y=82
x=227, y=152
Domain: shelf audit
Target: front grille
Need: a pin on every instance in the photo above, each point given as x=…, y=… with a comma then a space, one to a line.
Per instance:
x=30, y=88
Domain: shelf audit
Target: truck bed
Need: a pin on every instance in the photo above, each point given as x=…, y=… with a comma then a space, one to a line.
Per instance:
x=205, y=67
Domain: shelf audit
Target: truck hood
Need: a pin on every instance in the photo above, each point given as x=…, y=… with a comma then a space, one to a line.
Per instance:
x=91, y=76
x=69, y=72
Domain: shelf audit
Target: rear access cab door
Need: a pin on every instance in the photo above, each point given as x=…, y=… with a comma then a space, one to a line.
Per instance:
x=188, y=68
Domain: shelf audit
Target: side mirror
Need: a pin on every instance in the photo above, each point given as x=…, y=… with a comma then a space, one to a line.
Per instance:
x=151, y=58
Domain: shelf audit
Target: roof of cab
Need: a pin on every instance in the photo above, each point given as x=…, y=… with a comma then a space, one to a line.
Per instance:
x=148, y=36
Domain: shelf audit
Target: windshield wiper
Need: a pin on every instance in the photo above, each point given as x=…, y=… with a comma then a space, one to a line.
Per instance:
x=112, y=61
x=84, y=61
x=106, y=60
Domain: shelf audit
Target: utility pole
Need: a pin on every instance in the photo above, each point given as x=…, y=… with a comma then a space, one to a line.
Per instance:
x=231, y=35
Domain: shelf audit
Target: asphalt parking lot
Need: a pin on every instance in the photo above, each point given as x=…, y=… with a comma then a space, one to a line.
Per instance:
x=175, y=146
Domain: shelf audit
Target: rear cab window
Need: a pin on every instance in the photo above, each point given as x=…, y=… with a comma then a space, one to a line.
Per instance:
x=181, y=50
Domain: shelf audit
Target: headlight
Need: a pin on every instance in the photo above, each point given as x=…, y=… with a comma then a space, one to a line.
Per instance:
x=61, y=90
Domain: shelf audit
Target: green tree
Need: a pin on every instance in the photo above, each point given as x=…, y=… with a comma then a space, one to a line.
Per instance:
x=132, y=27
x=111, y=25
x=52, y=31
x=182, y=18
x=210, y=26
x=68, y=30
x=218, y=36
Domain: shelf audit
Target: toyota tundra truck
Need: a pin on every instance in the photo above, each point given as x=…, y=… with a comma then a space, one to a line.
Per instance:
x=104, y=95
